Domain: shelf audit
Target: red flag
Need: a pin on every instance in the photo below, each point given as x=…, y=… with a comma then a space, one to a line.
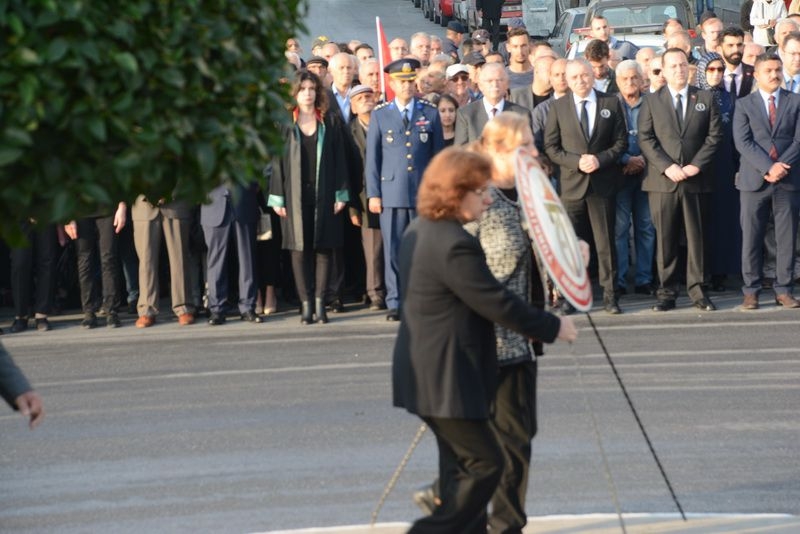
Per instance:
x=385, y=58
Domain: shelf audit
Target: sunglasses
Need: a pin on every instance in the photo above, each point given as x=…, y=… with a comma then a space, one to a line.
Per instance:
x=657, y=72
x=460, y=77
x=715, y=69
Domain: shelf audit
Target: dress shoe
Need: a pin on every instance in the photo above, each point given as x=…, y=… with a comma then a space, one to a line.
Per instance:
x=611, y=306
x=787, y=301
x=621, y=291
x=112, y=320
x=393, y=315
x=145, y=321
x=306, y=313
x=19, y=325
x=185, y=319
x=750, y=302
x=251, y=317
x=705, y=304
x=319, y=310
x=645, y=289
x=336, y=306
x=132, y=308
x=216, y=319
x=664, y=305
x=425, y=499
x=42, y=324
x=377, y=305
x=89, y=320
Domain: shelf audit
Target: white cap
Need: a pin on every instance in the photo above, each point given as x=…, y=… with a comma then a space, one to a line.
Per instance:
x=452, y=70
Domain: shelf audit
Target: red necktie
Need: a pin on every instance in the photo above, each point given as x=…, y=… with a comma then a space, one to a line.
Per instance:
x=773, y=113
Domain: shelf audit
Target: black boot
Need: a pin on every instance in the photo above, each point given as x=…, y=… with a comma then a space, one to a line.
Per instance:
x=322, y=315
x=305, y=313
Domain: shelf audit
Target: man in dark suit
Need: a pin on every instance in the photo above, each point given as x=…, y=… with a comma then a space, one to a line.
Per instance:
x=679, y=131
x=231, y=215
x=362, y=102
x=402, y=138
x=766, y=130
x=489, y=11
x=738, y=77
x=17, y=392
x=585, y=136
x=470, y=119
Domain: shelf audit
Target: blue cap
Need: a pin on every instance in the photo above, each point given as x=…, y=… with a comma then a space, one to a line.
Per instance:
x=456, y=26
x=403, y=68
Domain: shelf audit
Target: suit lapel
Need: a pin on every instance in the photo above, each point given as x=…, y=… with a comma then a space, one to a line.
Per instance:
x=572, y=112
x=597, y=108
x=666, y=97
x=783, y=101
x=691, y=103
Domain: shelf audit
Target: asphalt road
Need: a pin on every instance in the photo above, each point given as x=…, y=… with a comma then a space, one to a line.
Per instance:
x=245, y=428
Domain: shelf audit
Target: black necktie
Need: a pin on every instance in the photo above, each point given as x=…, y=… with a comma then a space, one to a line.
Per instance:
x=405, y=118
x=679, y=111
x=585, y=120
x=733, y=87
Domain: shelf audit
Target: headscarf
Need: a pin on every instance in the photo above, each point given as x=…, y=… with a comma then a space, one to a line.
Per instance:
x=702, y=65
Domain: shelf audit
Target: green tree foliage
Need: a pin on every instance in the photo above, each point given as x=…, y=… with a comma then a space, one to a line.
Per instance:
x=101, y=101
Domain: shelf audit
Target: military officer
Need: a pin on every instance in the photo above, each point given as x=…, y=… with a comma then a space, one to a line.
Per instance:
x=403, y=136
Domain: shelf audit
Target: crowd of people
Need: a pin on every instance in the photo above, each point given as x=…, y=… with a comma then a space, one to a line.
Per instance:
x=664, y=198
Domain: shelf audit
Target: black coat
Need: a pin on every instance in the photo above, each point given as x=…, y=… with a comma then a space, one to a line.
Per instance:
x=332, y=184
x=12, y=382
x=491, y=8
x=358, y=186
x=445, y=359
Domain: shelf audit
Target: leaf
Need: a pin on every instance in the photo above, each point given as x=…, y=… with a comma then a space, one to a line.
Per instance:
x=63, y=204
x=206, y=159
x=98, y=194
x=97, y=127
x=173, y=77
x=9, y=155
x=27, y=56
x=56, y=50
x=127, y=61
x=17, y=137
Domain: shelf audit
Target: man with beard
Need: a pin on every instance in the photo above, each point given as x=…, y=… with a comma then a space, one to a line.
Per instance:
x=520, y=70
x=738, y=77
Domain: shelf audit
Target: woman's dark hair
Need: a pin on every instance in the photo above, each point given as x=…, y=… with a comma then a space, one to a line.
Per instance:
x=321, y=99
x=449, y=98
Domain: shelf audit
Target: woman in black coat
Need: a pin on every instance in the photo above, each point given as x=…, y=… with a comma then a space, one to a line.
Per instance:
x=445, y=361
x=309, y=189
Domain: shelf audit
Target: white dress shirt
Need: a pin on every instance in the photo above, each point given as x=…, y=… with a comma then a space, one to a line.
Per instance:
x=591, y=108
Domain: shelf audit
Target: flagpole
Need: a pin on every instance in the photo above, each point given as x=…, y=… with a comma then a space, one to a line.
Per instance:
x=381, y=59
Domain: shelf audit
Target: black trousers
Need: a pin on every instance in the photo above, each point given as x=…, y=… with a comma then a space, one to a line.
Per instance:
x=38, y=260
x=492, y=25
x=310, y=265
x=598, y=216
x=97, y=234
x=515, y=423
x=670, y=213
x=470, y=465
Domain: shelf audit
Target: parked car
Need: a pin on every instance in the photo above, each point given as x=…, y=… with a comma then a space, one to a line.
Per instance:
x=539, y=15
x=642, y=16
x=445, y=11
x=568, y=22
x=427, y=9
x=641, y=41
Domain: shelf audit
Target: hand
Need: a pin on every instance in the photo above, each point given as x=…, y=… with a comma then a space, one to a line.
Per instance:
x=777, y=171
x=337, y=207
x=635, y=165
x=375, y=205
x=586, y=251
x=30, y=405
x=119, y=218
x=355, y=219
x=280, y=211
x=691, y=170
x=588, y=163
x=675, y=173
x=567, y=330
x=71, y=228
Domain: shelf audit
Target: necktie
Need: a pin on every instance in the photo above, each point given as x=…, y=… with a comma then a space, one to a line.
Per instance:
x=494, y=112
x=790, y=85
x=679, y=110
x=733, y=86
x=585, y=119
x=405, y=118
x=773, y=114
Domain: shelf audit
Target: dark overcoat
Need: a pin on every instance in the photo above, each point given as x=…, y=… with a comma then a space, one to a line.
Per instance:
x=332, y=184
x=445, y=357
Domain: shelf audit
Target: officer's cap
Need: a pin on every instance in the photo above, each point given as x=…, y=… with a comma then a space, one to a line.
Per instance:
x=403, y=68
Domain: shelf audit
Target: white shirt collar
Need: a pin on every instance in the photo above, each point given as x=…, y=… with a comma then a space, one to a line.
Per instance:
x=488, y=107
x=591, y=97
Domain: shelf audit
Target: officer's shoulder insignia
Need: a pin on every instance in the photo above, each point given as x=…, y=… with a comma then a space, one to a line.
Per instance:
x=381, y=106
x=424, y=102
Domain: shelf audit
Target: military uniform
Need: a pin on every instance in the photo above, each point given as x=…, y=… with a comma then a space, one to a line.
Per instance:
x=398, y=151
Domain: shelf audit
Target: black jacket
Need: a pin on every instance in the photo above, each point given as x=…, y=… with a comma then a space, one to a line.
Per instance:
x=445, y=360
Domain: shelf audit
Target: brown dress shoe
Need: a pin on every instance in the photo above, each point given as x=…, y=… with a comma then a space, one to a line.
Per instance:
x=750, y=302
x=145, y=321
x=787, y=301
x=185, y=319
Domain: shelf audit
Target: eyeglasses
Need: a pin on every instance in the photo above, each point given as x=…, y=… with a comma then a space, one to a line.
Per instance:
x=657, y=72
x=460, y=77
x=715, y=69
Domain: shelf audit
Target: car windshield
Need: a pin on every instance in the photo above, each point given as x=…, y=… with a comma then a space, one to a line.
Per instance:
x=641, y=14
